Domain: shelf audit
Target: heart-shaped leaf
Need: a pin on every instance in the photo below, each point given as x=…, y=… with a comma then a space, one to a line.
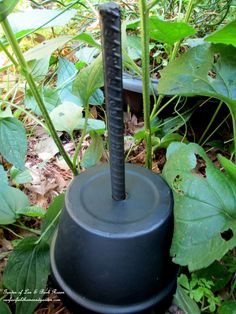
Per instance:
x=204, y=207
x=13, y=142
x=169, y=32
x=66, y=116
x=208, y=70
x=224, y=35
x=11, y=201
x=31, y=263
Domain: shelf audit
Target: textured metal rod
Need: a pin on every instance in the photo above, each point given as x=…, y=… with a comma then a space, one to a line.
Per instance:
x=112, y=60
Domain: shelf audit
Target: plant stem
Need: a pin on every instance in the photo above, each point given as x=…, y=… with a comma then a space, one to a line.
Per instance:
x=81, y=138
x=10, y=57
x=144, y=23
x=186, y=19
x=34, y=90
x=37, y=232
x=152, y=4
x=210, y=123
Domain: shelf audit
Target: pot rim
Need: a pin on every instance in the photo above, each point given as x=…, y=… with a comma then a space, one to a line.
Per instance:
x=134, y=84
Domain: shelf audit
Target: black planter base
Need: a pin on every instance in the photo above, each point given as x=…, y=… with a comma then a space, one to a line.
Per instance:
x=112, y=257
x=157, y=304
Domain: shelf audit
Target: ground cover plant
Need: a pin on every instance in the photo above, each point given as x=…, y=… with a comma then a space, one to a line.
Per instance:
x=53, y=126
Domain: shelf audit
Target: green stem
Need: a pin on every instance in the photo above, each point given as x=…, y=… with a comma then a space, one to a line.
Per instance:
x=210, y=123
x=186, y=20
x=144, y=23
x=156, y=113
x=34, y=90
x=213, y=132
x=152, y=4
x=84, y=132
x=10, y=57
x=37, y=232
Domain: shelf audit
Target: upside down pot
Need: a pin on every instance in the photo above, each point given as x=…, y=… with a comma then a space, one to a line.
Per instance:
x=111, y=251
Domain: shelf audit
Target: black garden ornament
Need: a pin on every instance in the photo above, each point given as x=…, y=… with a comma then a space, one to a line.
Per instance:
x=110, y=254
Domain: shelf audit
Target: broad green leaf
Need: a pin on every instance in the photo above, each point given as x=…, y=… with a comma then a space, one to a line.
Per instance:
x=32, y=211
x=26, y=273
x=87, y=54
x=11, y=200
x=97, y=99
x=93, y=153
x=20, y=177
x=3, y=176
x=50, y=97
x=66, y=116
x=46, y=48
x=88, y=38
x=229, y=166
x=13, y=143
x=89, y=80
x=33, y=19
x=186, y=304
x=134, y=47
x=204, y=207
x=169, y=32
x=224, y=35
x=51, y=218
x=6, y=7
x=228, y=307
x=39, y=68
x=93, y=125
x=208, y=70
x=4, y=308
x=65, y=73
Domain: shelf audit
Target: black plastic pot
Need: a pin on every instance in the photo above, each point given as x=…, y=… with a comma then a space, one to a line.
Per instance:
x=132, y=92
x=111, y=252
x=113, y=256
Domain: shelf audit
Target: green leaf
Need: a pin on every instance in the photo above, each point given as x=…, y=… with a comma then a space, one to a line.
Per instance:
x=169, y=32
x=39, y=68
x=217, y=273
x=228, y=307
x=183, y=281
x=32, y=211
x=207, y=70
x=229, y=166
x=66, y=116
x=224, y=35
x=6, y=7
x=89, y=80
x=65, y=73
x=87, y=54
x=182, y=299
x=4, y=308
x=31, y=263
x=93, y=153
x=46, y=48
x=93, y=125
x=134, y=47
x=36, y=18
x=51, y=218
x=13, y=142
x=20, y=177
x=11, y=200
x=204, y=207
x=3, y=176
x=50, y=97
x=88, y=38
x=97, y=99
